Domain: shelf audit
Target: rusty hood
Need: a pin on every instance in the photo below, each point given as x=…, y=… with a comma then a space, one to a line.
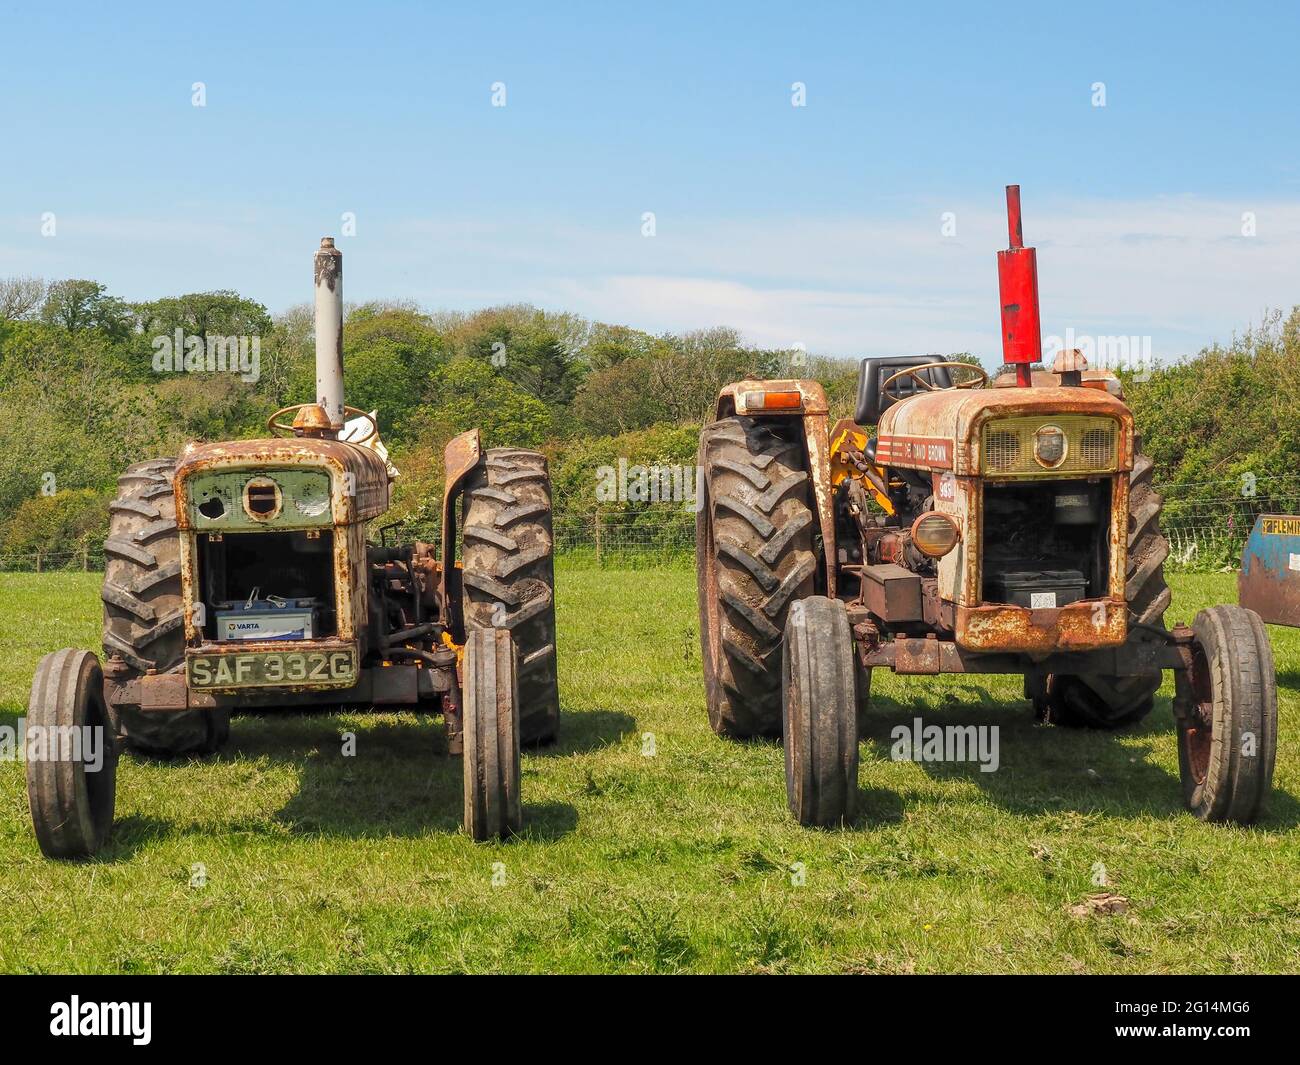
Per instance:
x=957, y=416
x=358, y=475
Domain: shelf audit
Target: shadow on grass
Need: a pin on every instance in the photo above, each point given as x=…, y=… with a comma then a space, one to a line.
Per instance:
x=1289, y=679
x=588, y=730
x=1045, y=769
x=399, y=780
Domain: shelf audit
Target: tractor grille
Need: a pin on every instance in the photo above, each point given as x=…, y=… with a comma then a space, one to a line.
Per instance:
x=1007, y=447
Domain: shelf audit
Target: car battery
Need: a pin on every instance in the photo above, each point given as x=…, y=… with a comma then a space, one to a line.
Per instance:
x=1038, y=589
x=266, y=619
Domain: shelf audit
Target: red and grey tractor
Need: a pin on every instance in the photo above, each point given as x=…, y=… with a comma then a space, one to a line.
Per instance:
x=960, y=526
x=242, y=574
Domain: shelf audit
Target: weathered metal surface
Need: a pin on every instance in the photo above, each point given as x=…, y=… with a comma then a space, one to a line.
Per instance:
x=358, y=476
x=817, y=444
x=892, y=593
x=814, y=396
x=1086, y=624
x=1101, y=380
x=329, y=331
x=395, y=684
x=1269, y=581
x=460, y=457
x=219, y=501
x=957, y=418
x=932, y=656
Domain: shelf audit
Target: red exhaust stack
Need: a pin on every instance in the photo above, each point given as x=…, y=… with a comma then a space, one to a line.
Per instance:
x=1022, y=340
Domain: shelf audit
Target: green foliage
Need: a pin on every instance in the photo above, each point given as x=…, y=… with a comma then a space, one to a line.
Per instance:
x=1226, y=417
x=576, y=466
x=390, y=356
x=75, y=304
x=52, y=524
x=80, y=398
x=469, y=394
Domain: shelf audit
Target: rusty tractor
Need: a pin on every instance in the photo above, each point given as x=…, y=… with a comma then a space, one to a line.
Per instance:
x=240, y=575
x=1010, y=528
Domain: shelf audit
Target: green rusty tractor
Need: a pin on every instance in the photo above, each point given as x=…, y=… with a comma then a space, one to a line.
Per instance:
x=241, y=575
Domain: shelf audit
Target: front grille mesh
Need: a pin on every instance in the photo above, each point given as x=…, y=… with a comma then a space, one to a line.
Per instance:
x=1007, y=445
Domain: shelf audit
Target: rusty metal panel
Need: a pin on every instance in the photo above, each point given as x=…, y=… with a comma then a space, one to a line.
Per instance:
x=817, y=442
x=959, y=416
x=1080, y=626
x=395, y=684
x=358, y=476
x=892, y=593
x=460, y=457
x=814, y=396
x=1269, y=581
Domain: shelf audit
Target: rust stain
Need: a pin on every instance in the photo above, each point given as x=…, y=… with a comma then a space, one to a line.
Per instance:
x=1081, y=626
x=460, y=457
x=814, y=396
x=959, y=416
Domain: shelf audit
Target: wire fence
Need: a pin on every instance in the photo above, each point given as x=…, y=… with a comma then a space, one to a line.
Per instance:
x=1207, y=524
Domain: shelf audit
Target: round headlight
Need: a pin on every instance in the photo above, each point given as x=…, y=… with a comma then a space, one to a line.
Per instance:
x=935, y=534
x=1049, y=446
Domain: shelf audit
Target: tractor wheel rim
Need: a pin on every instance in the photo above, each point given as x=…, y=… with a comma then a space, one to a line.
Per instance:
x=1198, y=735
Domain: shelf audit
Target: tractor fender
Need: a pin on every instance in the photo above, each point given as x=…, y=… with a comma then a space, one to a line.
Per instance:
x=460, y=457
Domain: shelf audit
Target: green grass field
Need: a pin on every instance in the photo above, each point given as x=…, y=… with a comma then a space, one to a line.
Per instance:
x=678, y=861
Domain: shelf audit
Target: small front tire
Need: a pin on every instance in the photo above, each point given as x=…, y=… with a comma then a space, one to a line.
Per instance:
x=820, y=713
x=491, y=735
x=71, y=799
x=1227, y=735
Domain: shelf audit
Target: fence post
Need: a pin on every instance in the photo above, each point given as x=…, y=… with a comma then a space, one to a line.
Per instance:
x=38, y=562
x=85, y=558
x=598, y=538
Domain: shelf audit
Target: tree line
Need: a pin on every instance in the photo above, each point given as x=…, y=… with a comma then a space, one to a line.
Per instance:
x=82, y=395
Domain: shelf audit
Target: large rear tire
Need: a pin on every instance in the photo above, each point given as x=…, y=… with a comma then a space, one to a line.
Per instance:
x=820, y=713
x=71, y=798
x=753, y=557
x=144, y=623
x=1227, y=748
x=1094, y=700
x=509, y=575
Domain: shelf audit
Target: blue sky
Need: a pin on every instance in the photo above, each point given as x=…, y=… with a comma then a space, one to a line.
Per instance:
x=818, y=225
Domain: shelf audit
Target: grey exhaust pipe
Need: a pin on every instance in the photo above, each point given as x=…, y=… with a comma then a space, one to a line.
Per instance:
x=329, y=331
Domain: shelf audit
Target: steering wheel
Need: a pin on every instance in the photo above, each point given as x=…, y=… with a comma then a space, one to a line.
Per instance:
x=978, y=380
x=282, y=429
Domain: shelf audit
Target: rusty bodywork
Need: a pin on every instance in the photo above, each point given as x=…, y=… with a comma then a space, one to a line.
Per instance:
x=964, y=526
x=243, y=574
x=940, y=435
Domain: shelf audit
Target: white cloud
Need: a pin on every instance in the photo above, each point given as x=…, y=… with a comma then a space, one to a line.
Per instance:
x=880, y=280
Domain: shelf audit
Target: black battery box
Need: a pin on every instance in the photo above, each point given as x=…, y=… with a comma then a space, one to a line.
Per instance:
x=1037, y=589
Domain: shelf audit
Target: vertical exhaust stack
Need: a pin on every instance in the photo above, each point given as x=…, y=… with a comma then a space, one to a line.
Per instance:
x=329, y=331
x=1022, y=339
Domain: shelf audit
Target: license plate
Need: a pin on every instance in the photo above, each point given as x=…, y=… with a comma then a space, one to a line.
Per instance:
x=273, y=669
